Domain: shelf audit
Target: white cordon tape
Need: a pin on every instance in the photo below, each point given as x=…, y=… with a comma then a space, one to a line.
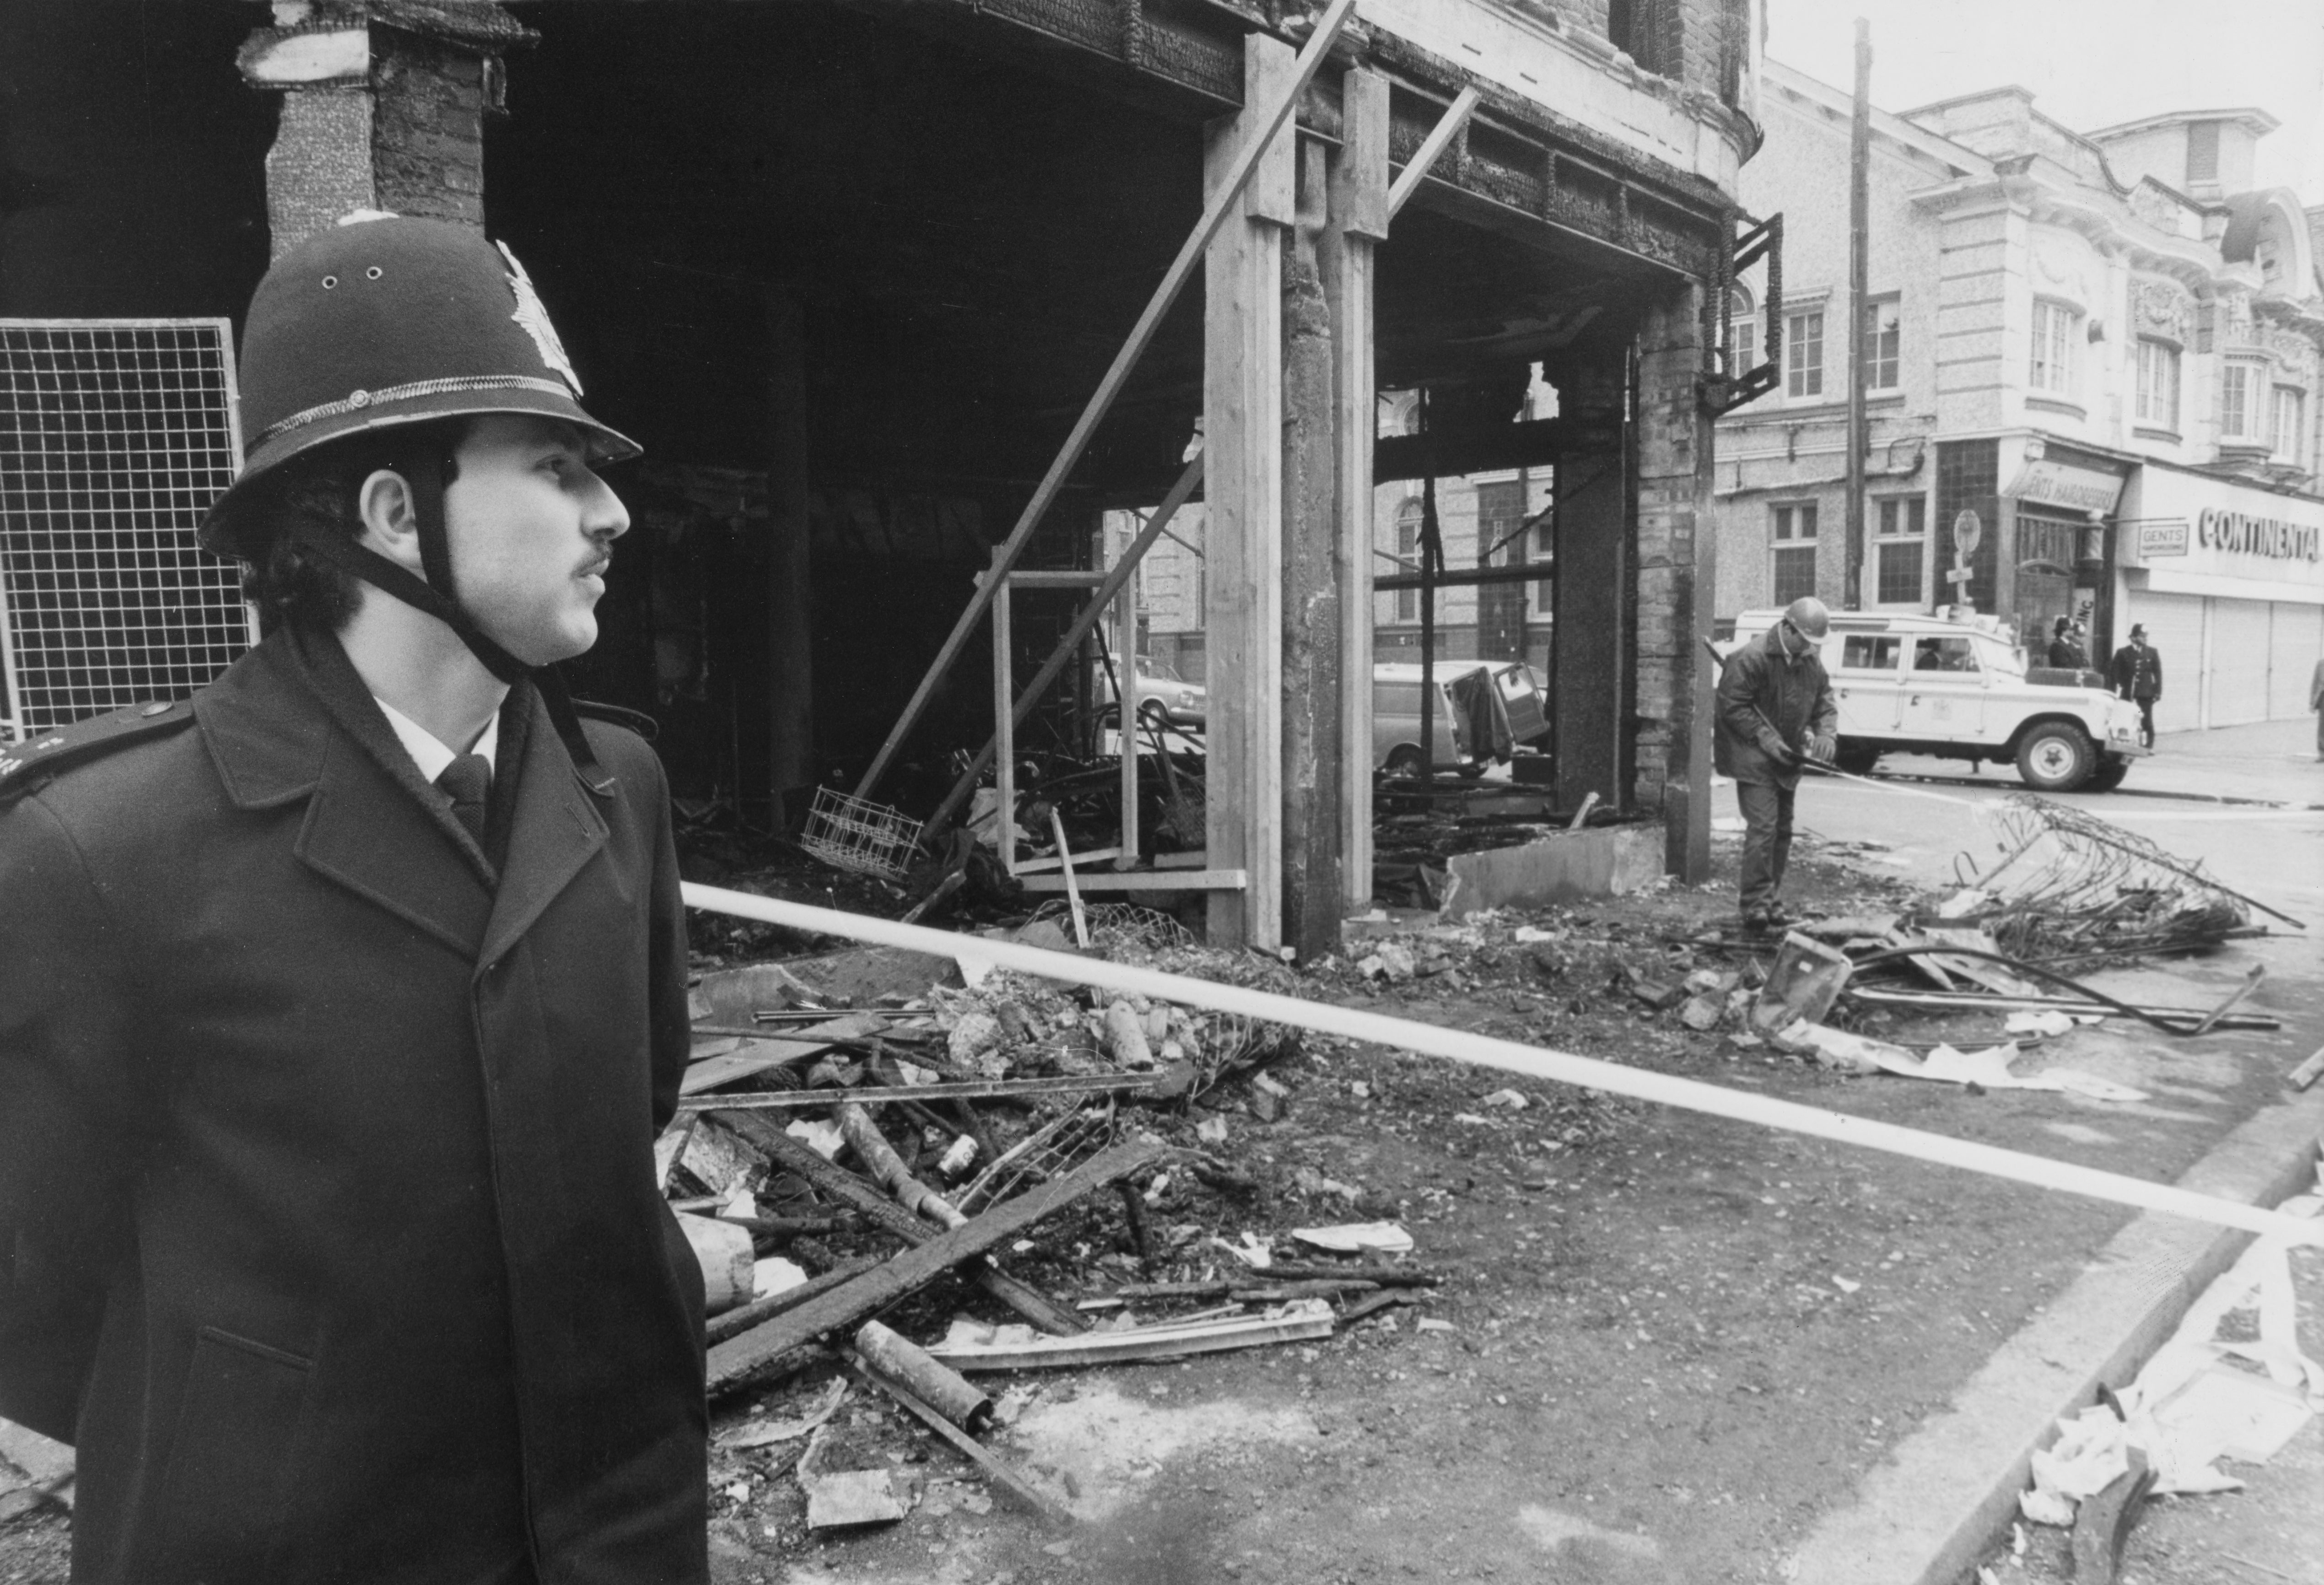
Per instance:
x=1532, y=1061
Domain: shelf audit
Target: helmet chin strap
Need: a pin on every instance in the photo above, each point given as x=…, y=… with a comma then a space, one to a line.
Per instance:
x=435, y=595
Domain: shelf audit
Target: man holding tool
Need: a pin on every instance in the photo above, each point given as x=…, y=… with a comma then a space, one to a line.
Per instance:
x=341, y=1005
x=1775, y=712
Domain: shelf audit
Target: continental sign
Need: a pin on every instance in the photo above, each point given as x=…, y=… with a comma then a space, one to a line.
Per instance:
x=2277, y=538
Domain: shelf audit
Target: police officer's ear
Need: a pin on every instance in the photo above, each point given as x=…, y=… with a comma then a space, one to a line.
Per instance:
x=391, y=526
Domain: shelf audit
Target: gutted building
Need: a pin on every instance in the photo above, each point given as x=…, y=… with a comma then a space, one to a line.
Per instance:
x=852, y=268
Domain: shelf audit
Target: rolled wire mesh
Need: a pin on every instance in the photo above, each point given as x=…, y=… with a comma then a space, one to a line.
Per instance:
x=2070, y=885
x=115, y=435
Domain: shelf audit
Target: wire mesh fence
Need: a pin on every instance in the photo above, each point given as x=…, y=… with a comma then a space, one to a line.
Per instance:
x=115, y=435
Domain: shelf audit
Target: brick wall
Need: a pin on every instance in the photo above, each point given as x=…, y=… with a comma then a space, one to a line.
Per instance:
x=428, y=135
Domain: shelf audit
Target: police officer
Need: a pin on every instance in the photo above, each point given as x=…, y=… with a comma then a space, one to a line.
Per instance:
x=340, y=1007
x=1775, y=712
x=2139, y=677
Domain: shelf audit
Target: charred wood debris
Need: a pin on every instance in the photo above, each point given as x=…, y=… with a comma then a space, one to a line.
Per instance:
x=861, y=1135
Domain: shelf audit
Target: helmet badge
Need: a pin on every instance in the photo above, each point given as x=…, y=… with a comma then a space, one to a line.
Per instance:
x=534, y=317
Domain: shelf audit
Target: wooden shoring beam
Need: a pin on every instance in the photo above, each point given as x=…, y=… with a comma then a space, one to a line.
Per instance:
x=1226, y=199
x=1440, y=138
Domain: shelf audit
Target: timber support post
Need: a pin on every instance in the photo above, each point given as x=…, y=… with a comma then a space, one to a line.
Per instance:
x=1242, y=455
x=1355, y=224
x=1312, y=679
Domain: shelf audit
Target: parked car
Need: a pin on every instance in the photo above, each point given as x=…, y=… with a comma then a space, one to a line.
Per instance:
x=1485, y=710
x=1957, y=687
x=1161, y=689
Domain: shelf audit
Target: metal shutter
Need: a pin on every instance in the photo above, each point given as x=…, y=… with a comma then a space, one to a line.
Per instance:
x=2239, y=653
x=2295, y=639
x=2174, y=630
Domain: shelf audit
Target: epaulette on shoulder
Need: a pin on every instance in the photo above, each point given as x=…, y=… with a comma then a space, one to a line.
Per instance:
x=29, y=765
x=636, y=721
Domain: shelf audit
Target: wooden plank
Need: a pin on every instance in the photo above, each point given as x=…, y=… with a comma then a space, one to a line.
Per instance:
x=1242, y=531
x=1055, y=577
x=960, y=1089
x=1308, y=1318
x=1356, y=220
x=1261, y=127
x=1004, y=721
x=836, y=1181
x=741, y=1319
x=1147, y=880
x=915, y=1268
x=1440, y=138
x=1126, y=701
x=1055, y=863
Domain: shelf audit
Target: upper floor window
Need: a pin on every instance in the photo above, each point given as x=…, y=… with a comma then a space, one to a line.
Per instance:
x=2054, y=329
x=2158, y=384
x=1407, y=558
x=1882, y=333
x=1804, y=353
x=2290, y=420
x=1648, y=31
x=2239, y=414
x=1902, y=529
x=1792, y=568
x=1742, y=346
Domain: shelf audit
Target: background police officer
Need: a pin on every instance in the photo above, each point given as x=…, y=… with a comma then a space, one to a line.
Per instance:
x=340, y=1007
x=1774, y=711
x=2139, y=677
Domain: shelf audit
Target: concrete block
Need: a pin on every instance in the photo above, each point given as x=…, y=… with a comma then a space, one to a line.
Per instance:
x=1565, y=866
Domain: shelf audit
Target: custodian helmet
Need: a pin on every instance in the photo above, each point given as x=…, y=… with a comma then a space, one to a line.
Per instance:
x=381, y=321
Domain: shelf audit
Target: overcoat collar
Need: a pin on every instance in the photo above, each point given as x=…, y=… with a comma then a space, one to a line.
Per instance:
x=292, y=720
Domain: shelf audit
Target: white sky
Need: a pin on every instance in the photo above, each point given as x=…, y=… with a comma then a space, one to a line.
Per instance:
x=2088, y=63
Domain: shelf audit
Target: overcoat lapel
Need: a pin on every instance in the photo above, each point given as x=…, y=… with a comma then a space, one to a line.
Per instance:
x=554, y=830
x=365, y=829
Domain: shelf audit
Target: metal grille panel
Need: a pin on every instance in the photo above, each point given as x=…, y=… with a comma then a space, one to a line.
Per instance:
x=116, y=434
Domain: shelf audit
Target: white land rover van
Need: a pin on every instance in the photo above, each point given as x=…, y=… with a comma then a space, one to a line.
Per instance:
x=1953, y=685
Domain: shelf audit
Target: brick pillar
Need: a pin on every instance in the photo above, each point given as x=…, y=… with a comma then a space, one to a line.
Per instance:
x=1676, y=581
x=383, y=107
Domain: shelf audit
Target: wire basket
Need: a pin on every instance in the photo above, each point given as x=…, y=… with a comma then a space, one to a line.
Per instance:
x=848, y=832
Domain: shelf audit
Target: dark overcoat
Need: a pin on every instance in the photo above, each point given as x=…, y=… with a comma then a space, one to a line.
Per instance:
x=1764, y=694
x=329, y=1222
x=2138, y=673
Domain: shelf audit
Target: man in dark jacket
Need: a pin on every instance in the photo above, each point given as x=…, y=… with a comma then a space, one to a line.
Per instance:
x=2139, y=677
x=2066, y=646
x=1775, y=712
x=339, y=1008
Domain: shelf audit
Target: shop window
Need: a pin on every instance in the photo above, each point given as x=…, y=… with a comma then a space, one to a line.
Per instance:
x=2239, y=414
x=2158, y=384
x=1791, y=571
x=1804, y=353
x=1407, y=556
x=2290, y=420
x=1902, y=530
x=1883, y=333
x=2055, y=328
x=1648, y=31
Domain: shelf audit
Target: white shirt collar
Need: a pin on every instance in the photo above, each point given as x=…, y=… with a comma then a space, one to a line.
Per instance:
x=427, y=752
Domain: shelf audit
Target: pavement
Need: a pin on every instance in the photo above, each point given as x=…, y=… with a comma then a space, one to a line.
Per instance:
x=1945, y=1499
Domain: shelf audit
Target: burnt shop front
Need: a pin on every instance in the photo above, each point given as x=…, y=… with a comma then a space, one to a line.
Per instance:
x=2229, y=581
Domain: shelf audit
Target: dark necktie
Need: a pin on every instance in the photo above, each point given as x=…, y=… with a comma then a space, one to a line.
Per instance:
x=468, y=782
